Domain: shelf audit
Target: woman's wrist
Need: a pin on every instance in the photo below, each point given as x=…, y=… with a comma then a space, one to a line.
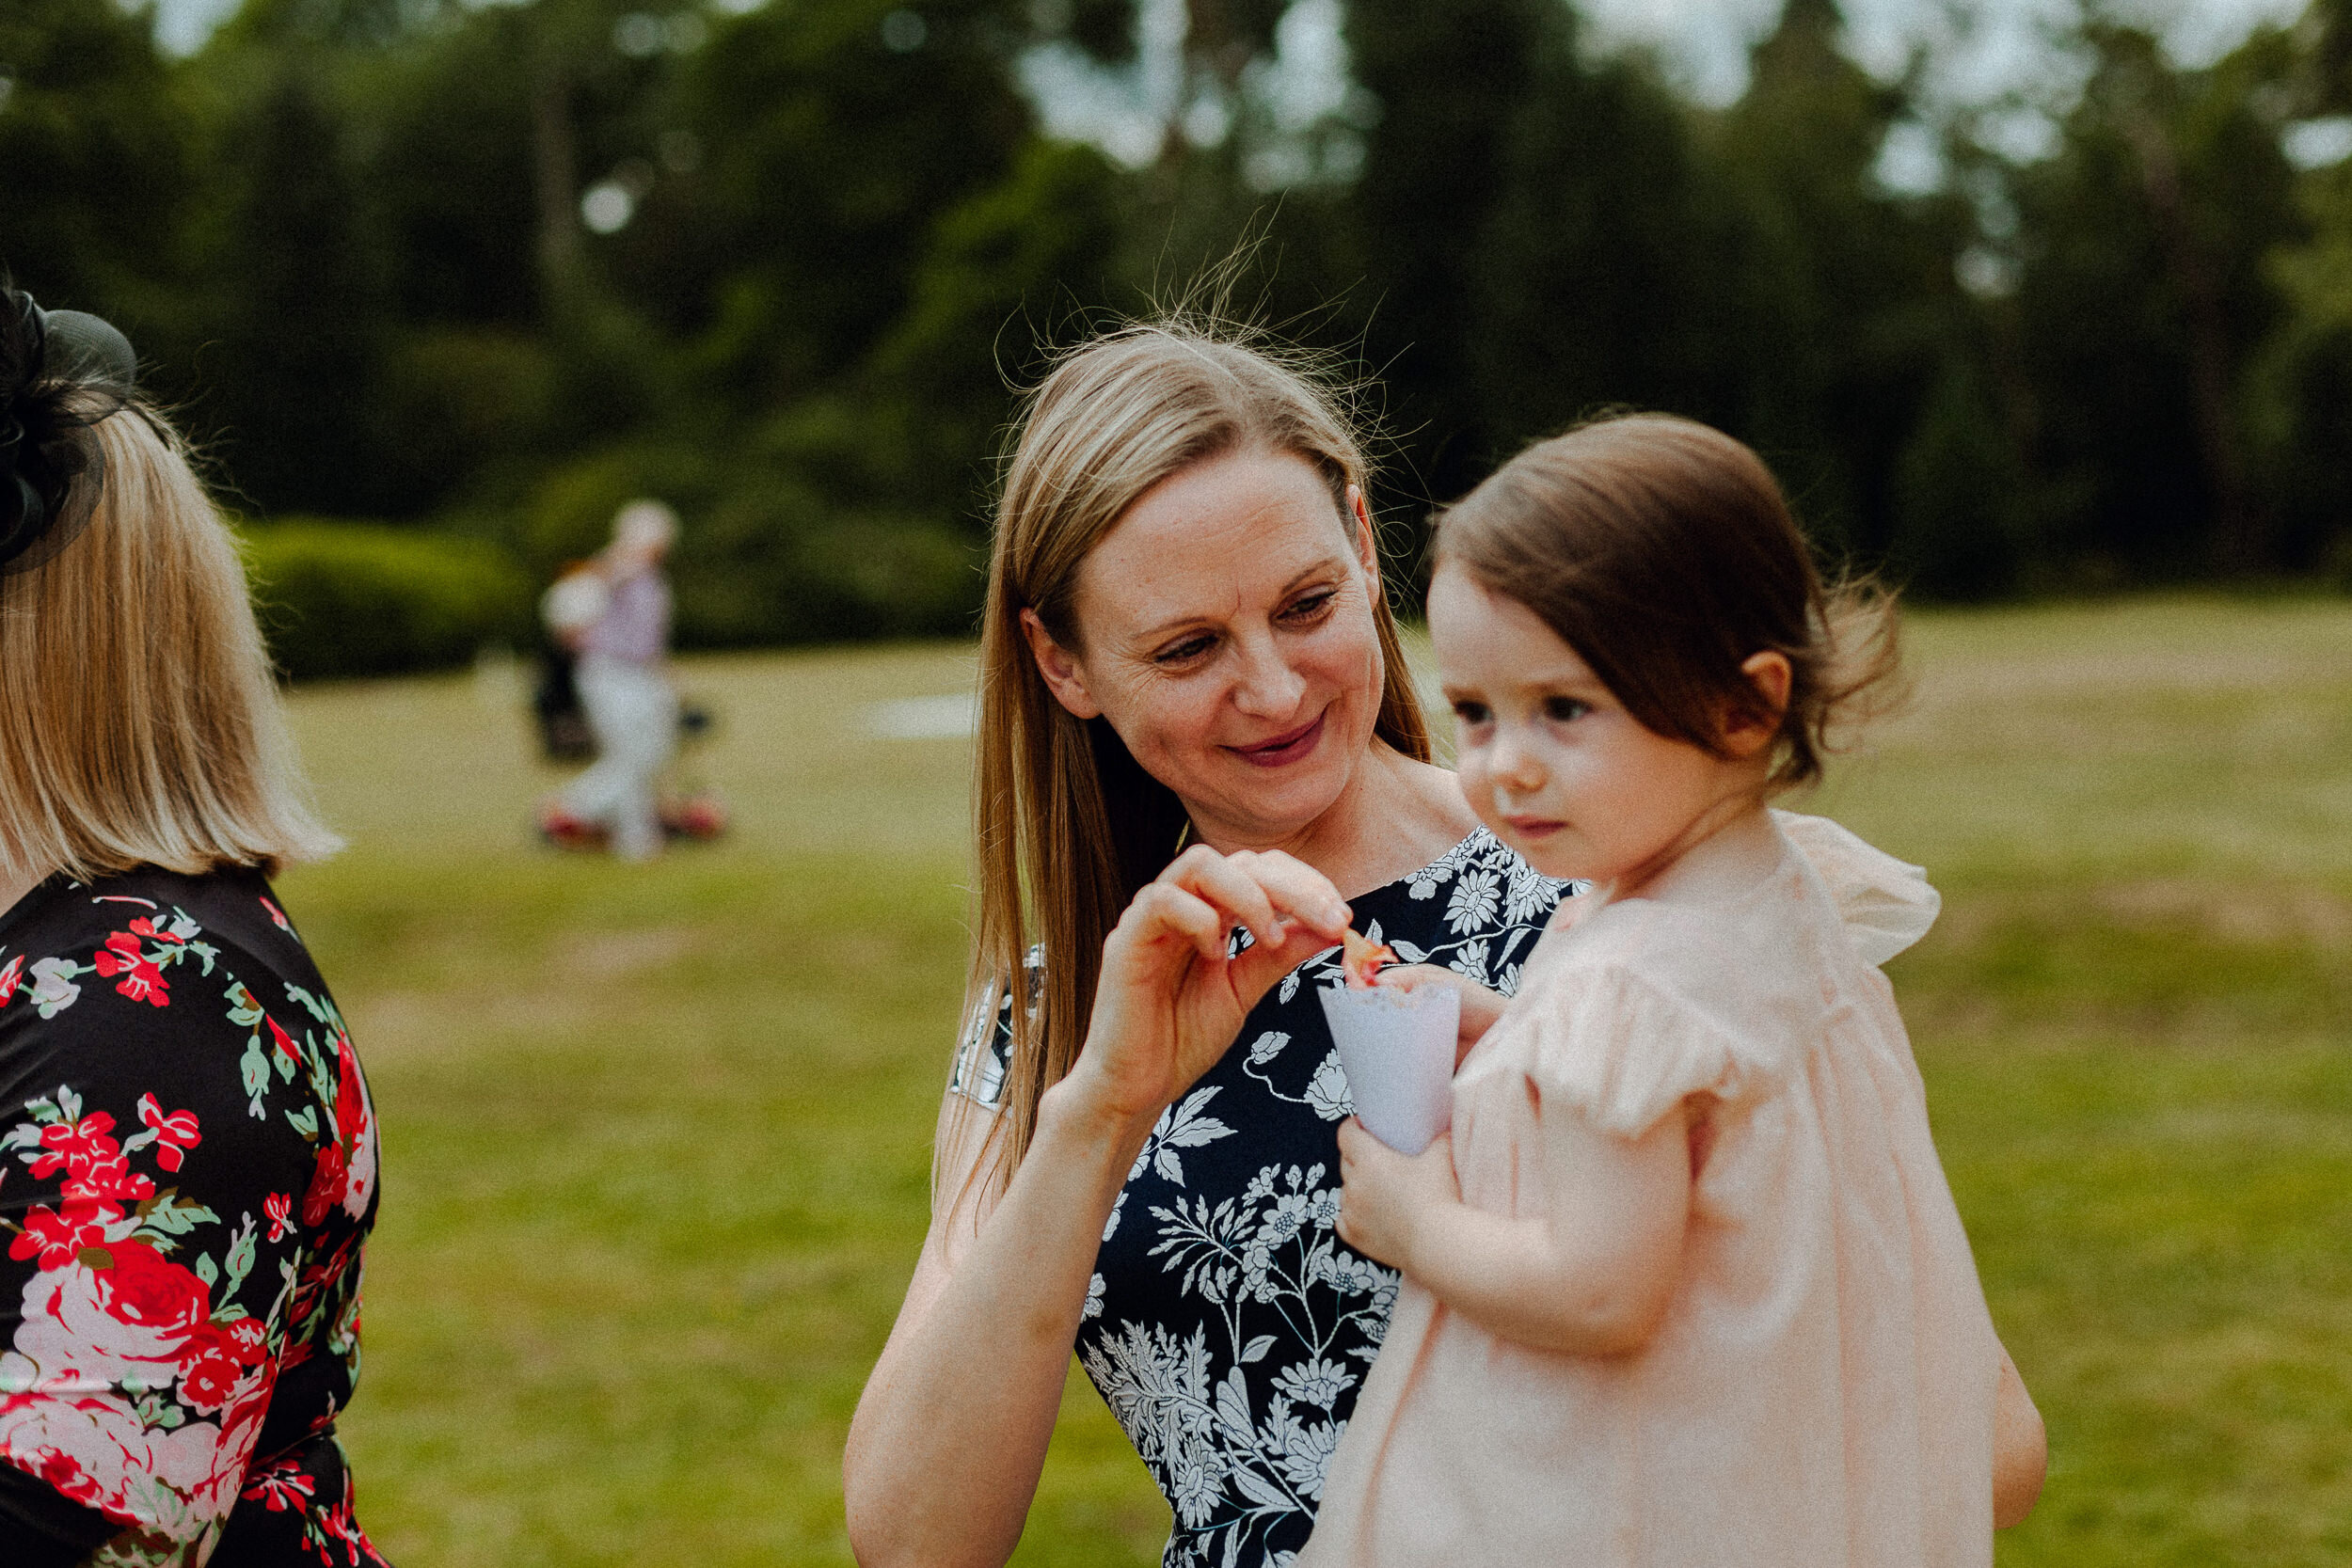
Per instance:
x=1078, y=1113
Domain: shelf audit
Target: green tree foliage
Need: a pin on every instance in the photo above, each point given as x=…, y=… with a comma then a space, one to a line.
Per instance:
x=1449, y=81
x=490, y=270
x=95, y=148
x=2143, y=294
x=339, y=599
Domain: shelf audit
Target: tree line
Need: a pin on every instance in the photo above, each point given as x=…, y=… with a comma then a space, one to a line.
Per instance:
x=482, y=272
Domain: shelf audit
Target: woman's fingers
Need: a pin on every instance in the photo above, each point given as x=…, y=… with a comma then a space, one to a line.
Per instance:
x=1225, y=881
x=1264, y=892
x=1164, y=907
x=1301, y=893
x=1253, y=973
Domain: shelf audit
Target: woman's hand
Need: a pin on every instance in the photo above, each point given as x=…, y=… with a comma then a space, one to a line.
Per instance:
x=1169, y=1001
x=1481, y=1007
x=1385, y=1196
x=2021, y=1450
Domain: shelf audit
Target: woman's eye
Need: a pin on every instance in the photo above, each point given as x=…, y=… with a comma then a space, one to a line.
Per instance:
x=1311, y=606
x=1562, y=710
x=1180, y=653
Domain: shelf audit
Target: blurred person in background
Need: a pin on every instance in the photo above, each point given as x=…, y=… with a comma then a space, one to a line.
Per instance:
x=614, y=616
x=187, y=1149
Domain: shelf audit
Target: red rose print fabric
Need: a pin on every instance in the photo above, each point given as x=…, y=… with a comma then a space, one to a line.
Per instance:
x=187, y=1180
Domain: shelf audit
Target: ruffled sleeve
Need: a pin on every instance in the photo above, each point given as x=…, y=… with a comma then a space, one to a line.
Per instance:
x=1623, y=1050
x=1886, y=904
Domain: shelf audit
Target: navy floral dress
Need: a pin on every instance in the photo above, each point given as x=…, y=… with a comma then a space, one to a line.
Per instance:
x=187, y=1177
x=1226, y=1326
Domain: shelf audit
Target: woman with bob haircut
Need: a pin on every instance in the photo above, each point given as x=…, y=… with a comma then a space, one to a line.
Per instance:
x=187, y=1151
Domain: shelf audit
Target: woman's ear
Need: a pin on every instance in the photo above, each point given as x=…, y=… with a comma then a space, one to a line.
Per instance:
x=1360, y=520
x=1063, y=676
x=1747, y=732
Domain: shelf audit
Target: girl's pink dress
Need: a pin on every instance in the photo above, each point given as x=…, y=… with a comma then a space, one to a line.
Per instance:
x=1820, y=1391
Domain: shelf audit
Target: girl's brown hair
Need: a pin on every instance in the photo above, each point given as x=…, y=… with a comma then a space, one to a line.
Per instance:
x=1069, y=826
x=1664, y=553
x=140, y=723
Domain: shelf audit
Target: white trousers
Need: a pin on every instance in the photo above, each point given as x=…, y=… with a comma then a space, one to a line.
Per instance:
x=633, y=713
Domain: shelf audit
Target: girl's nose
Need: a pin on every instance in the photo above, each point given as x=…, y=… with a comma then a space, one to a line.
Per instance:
x=1512, y=765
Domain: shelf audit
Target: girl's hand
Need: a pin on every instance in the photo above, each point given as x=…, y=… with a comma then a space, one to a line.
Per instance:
x=1385, y=1196
x=1169, y=1001
x=1481, y=1007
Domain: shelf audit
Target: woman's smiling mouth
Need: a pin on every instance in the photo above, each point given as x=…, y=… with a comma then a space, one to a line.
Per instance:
x=1282, y=749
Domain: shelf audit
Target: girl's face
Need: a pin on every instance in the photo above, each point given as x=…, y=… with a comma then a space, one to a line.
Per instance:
x=1229, y=639
x=1553, y=763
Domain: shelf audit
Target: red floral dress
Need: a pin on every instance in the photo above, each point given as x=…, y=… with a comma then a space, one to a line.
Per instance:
x=187, y=1179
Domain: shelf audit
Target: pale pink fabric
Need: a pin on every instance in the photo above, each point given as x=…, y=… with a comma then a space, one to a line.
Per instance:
x=1821, y=1392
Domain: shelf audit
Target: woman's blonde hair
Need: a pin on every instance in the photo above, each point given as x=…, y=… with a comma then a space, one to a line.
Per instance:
x=140, y=723
x=1068, y=825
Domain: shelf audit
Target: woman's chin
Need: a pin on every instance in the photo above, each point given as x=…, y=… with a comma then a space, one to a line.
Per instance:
x=1271, y=805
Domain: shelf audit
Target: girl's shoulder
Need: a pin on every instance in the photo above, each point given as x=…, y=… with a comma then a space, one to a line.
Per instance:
x=1646, y=1001
x=1830, y=902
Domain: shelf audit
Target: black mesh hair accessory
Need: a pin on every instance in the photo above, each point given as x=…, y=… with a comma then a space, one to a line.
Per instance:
x=61, y=373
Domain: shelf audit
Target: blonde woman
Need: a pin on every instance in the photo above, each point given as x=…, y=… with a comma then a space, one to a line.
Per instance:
x=189, y=1153
x=1187, y=637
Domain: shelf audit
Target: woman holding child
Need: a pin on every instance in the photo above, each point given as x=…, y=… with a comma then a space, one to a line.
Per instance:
x=1201, y=760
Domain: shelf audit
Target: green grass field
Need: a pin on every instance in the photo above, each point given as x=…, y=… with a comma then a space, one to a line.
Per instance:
x=656, y=1140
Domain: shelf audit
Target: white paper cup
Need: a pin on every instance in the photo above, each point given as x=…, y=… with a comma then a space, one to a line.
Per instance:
x=1396, y=1048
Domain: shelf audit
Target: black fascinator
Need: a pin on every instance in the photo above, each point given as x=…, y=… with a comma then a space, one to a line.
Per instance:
x=61, y=373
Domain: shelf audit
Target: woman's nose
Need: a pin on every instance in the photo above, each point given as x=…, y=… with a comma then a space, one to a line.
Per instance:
x=1268, y=688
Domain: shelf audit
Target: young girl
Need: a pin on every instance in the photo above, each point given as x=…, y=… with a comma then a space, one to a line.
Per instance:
x=1688, y=1285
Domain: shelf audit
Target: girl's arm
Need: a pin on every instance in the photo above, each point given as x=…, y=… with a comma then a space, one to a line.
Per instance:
x=951, y=1433
x=2021, y=1450
x=1591, y=1276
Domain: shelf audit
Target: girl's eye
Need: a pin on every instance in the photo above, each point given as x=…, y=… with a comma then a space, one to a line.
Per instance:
x=1471, y=713
x=1562, y=710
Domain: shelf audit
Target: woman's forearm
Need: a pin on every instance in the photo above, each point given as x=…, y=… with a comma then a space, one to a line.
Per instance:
x=950, y=1434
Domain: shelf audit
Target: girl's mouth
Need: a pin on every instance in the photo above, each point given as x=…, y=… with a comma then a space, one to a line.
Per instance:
x=1533, y=828
x=1282, y=749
